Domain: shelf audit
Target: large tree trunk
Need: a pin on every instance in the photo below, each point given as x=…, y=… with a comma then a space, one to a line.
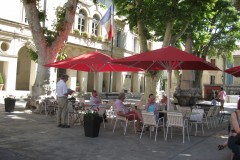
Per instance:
x=168, y=34
x=198, y=79
x=188, y=48
x=152, y=78
x=47, y=52
x=45, y=81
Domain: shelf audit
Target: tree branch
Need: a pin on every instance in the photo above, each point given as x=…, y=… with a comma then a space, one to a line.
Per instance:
x=58, y=43
x=179, y=34
x=32, y=14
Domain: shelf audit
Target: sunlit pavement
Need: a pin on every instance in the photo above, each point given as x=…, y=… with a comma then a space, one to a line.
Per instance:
x=25, y=135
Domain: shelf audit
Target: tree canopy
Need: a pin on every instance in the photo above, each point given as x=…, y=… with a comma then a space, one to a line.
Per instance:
x=213, y=25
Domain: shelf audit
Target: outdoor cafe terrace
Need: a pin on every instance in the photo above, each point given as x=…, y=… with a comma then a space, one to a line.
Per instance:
x=48, y=138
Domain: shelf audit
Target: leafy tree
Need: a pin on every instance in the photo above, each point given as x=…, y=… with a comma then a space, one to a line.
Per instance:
x=215, y=33
x=135, y=13
x=163, y=21
x=48, y=42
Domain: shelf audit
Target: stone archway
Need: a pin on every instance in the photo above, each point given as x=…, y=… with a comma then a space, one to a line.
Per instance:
x=23, y=70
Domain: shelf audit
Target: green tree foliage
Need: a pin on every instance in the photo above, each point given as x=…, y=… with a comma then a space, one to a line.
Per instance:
x=212, y=24
x=216, y=33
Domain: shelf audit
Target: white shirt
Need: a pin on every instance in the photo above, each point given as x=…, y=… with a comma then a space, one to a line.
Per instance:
x=61, y=88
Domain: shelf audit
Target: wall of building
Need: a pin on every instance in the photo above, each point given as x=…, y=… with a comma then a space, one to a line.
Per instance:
x=14, y=33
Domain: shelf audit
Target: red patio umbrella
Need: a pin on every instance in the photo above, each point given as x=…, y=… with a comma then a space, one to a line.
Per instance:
x=92, y=62
x=167, y=58
x=235, y=71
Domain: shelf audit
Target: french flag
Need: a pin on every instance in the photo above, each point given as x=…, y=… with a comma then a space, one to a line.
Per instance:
x=107, y=22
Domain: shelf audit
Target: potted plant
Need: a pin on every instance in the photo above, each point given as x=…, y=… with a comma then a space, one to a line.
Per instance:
x=93, y=37
x=1, y=82
x=76, y=32
x=99, y=38
x=106, y=40
x=84, y=35
x=91, y=124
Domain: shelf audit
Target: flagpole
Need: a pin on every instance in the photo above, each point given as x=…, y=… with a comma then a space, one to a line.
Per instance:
x=110, y=76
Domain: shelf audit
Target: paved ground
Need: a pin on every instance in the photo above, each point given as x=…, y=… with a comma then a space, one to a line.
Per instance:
x=28, y=136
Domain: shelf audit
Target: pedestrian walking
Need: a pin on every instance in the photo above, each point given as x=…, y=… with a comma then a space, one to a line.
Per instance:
x=222, y=96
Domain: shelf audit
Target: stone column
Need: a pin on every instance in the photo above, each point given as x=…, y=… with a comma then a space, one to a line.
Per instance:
x=33, y=71
x=9, y=73
x=83, y=81
x=71, y=83
x=118, y=82
x=100, y=82
x=136, y=79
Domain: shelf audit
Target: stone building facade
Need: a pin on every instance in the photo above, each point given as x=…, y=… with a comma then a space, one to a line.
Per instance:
x=87, y=35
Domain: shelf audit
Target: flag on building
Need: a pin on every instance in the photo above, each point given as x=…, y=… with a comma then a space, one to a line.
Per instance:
x=107, y=22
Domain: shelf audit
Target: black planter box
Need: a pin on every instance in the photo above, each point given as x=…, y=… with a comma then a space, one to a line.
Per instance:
x=9, y=104
x=91, y=125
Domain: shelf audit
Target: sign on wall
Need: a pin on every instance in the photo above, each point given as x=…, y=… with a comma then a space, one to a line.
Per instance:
x=233, y=90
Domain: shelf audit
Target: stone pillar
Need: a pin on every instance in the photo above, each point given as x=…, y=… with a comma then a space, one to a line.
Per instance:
x=118, y=81
x=107, y=82
x=83, y=81
x=136, y=80
x=71, y=83
x=127, y=79
x=33, y=71
x=9, y=73
x=100, y=82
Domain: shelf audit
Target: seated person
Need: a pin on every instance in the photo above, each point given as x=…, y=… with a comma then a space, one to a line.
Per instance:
x=151, y=105
x=233, y=141
x=96, y=102
x=163, y=102
x=123, y=111
x=214, y=101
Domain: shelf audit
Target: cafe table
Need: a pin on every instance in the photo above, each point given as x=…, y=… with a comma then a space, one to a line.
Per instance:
x=205, y=106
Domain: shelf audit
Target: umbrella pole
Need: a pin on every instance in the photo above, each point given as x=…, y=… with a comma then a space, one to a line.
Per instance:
x=110, y=83
x=168, y=89
x=111, y=76
x=95, y=80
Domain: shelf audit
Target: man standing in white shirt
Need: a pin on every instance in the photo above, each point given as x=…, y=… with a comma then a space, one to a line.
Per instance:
x=222, y=96
x=62, y=93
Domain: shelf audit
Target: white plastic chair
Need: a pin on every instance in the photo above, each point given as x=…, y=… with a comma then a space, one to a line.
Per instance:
x=208, y=117
x=74, y=115
x=101, y=114
x=81, y=101
x=124, y=119
x=215, y=116
x=176, y=119
x=186, y=111
x=110, y=110
x=149, y=119
x=48, y=105
x=177, y=107
x=196, y=118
